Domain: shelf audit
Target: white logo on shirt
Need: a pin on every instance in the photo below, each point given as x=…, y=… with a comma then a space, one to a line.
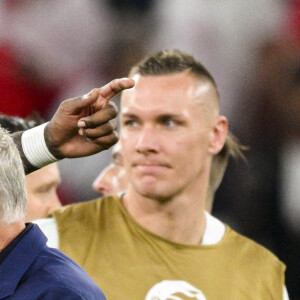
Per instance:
x=174, y=290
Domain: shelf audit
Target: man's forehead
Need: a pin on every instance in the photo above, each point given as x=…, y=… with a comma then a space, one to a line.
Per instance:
x=179, y=79
x=167, y=92
x=47, y=173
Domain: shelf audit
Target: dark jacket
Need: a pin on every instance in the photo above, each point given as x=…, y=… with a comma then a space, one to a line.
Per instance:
x=34, y=271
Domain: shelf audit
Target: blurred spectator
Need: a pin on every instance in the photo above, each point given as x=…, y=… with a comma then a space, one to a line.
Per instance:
x=112, y=179
x=41, y=185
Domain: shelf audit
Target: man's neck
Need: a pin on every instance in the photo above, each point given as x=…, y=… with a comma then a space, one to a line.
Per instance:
x=180, y=219
x=9, y=232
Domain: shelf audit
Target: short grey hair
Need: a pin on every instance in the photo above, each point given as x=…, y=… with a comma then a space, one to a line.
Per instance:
x=12, y=181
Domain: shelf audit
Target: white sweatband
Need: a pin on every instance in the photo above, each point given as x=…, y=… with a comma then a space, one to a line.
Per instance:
x=35, y=148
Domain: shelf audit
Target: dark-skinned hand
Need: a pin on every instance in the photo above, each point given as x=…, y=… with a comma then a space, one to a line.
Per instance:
x=85, y=125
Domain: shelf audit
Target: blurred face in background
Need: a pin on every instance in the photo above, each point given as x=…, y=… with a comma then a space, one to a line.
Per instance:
x=113, y=178
x=41, y=187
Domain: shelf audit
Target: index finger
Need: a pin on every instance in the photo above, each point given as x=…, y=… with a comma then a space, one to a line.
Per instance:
x=114, y=87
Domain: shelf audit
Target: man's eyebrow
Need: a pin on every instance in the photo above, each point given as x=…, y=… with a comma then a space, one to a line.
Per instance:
x=47, y=186
x=163, y=116
x=54, y=183
x=169, y=115
x=128, y=115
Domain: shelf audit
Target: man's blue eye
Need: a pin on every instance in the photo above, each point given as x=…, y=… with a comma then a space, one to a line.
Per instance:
x=169, y=123
x=130, y=123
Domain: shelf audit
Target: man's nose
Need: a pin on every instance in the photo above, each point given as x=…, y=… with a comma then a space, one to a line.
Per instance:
x=55, y=203
x=147, y=141
x=102, y=184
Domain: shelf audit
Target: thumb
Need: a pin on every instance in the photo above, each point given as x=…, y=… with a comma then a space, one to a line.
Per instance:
x=74, y=106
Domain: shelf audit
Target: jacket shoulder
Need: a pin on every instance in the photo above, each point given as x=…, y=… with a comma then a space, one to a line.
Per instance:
x=58, y=277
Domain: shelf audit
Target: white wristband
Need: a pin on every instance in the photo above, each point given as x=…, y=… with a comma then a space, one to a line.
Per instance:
x=35, y=148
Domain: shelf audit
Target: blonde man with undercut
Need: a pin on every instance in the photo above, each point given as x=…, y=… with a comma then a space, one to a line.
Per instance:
x=156, y=241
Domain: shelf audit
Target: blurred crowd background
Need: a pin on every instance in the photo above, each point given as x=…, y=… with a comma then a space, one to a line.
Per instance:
x=54, y=50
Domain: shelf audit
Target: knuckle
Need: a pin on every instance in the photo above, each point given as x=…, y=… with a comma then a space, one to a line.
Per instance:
x=112, y=111
x=89, y=122
x=110, y=140
x=67, y=106
x=64, y=104
x=116, y=135
x=106, y=129
x=114, y=85
x=114, y=123
x=114, y=105
x=109, y=127
x=113, y=139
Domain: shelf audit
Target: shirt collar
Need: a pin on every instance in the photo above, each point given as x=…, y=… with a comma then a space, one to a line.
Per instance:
x=4, y=253
x=214, y=230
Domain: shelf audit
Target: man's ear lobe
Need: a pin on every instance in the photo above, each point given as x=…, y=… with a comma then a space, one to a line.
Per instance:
x=219, y=134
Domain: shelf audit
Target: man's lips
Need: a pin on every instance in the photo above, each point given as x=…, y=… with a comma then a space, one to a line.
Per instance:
x=150, y=166
x=151, y=163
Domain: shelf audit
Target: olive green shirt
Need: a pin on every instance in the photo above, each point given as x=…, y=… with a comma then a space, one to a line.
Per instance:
x=129, y=262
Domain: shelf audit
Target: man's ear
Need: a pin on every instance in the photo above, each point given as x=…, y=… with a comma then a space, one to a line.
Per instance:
x=218, y=135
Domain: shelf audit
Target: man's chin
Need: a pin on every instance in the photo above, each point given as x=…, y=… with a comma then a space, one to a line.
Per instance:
x=158, y=195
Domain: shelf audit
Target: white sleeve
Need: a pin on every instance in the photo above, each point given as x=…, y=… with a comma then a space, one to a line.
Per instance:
x=35, y=148
x=285, y=294
x=49, y=228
